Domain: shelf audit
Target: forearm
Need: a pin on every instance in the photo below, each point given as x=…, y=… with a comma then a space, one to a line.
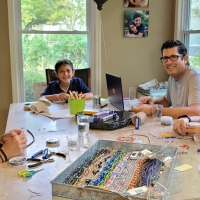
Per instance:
x=176, y=112
x=53, y=97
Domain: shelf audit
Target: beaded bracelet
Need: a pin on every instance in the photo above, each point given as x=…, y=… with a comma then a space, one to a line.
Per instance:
x=91, y=172
x=4, y=155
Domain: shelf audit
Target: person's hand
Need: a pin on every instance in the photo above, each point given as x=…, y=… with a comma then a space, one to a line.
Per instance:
x=180, y=126
x=142, y=108
x=16, y=145
x=146, y=100
x=7, y=136
x=130, y=35
x=193, y=129
x=62, y=96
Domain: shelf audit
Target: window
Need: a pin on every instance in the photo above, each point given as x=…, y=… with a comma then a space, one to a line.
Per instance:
x=46, y=31
x=189, y=30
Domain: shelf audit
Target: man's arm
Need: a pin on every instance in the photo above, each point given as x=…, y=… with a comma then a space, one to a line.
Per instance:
x=192, y=110
x=162, y=101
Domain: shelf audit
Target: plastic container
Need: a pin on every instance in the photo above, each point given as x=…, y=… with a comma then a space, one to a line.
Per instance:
x=76, y=105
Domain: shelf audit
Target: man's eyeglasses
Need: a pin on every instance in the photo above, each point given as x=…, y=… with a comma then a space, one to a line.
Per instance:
x=172, y=58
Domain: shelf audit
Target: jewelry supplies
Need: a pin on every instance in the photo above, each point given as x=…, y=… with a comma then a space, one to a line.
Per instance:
x=166, y=120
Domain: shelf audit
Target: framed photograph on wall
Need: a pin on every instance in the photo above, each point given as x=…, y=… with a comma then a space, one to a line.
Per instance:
x=136, y=3
x=136, y=23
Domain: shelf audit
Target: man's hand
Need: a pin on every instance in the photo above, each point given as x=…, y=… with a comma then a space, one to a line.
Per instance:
x=193, y=129
x=142, y=108
x=180, y=126
x=146, y=100
x=14, y=146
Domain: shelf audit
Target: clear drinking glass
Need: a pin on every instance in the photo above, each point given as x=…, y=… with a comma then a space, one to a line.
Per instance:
x=156, y=112
x=72, y=140
x=83, y=122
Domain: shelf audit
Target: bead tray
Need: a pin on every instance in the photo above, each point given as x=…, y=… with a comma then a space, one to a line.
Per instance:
x=64, y=191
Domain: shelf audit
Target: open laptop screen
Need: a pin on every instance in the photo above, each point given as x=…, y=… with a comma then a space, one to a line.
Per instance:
x=115, y=94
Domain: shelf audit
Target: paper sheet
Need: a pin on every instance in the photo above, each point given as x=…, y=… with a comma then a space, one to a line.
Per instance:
x=183, y=167
x=58, y=114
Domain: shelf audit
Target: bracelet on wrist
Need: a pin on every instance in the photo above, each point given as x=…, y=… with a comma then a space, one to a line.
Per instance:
x=185, y=116
x=3, y=153
x=1, y=159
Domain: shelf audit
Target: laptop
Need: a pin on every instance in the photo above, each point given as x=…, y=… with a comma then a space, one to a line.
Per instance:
x=115, y=93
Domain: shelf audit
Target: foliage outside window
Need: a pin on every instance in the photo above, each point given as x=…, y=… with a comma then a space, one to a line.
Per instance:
x=52, y=30
x=191, y=30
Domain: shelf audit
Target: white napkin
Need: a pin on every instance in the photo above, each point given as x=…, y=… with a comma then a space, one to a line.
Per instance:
x=40, y=106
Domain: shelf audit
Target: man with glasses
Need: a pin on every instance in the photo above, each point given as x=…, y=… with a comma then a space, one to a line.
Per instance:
x=183, y=92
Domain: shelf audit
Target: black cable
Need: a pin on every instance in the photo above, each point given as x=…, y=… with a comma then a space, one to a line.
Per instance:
x=28, y=145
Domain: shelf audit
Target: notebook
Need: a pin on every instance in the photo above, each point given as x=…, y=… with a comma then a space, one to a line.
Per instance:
x=115, y=93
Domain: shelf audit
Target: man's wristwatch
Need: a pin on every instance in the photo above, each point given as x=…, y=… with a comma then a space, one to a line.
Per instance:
x=185, y=116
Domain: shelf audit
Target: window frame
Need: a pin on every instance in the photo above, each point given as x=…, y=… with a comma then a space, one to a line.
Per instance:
x=15, y=31
x=182, y=16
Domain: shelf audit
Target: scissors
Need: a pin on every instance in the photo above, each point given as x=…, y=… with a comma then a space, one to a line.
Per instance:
x=28, y=173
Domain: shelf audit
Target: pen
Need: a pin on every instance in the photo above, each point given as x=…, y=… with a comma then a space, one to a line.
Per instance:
x=104, y=105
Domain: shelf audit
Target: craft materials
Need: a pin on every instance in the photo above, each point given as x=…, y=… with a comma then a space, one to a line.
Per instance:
x=185, y=146
x=39, y=161
x=134, y=155
x=166, y=134
x=103, y=113
x=137, y=123
x=28, y=145
x=166, y=120
x=115, y=170
x=90, y=111
x=198, y=150
x=28, y=173
x=108, y=117
x=183, y=167
x=52, y=142
x=75, y=95
x=45, y=152
x=141, y=115
x=17, y=161
x=126, y=138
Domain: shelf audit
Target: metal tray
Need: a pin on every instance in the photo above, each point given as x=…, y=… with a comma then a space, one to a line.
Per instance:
x=64, y=191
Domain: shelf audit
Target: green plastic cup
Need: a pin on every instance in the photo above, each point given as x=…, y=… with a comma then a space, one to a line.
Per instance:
x=76, y=105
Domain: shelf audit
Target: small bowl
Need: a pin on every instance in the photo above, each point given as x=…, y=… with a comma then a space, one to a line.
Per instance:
x=197, y=138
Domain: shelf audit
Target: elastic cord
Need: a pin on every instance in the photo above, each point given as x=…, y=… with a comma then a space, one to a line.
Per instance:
x=4, y=155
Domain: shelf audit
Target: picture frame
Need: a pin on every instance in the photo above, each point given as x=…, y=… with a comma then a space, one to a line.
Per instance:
x=136, y=23
x=136, y=3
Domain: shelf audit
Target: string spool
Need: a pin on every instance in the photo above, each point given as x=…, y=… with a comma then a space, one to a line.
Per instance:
x=141, y=115
x=17, y=161
x=166, y=120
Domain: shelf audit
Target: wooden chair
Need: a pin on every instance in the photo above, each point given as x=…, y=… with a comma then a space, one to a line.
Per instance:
x=84, y=74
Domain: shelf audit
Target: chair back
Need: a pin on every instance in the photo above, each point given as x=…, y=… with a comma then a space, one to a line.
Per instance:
x=50, y=75
x=84, y=74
